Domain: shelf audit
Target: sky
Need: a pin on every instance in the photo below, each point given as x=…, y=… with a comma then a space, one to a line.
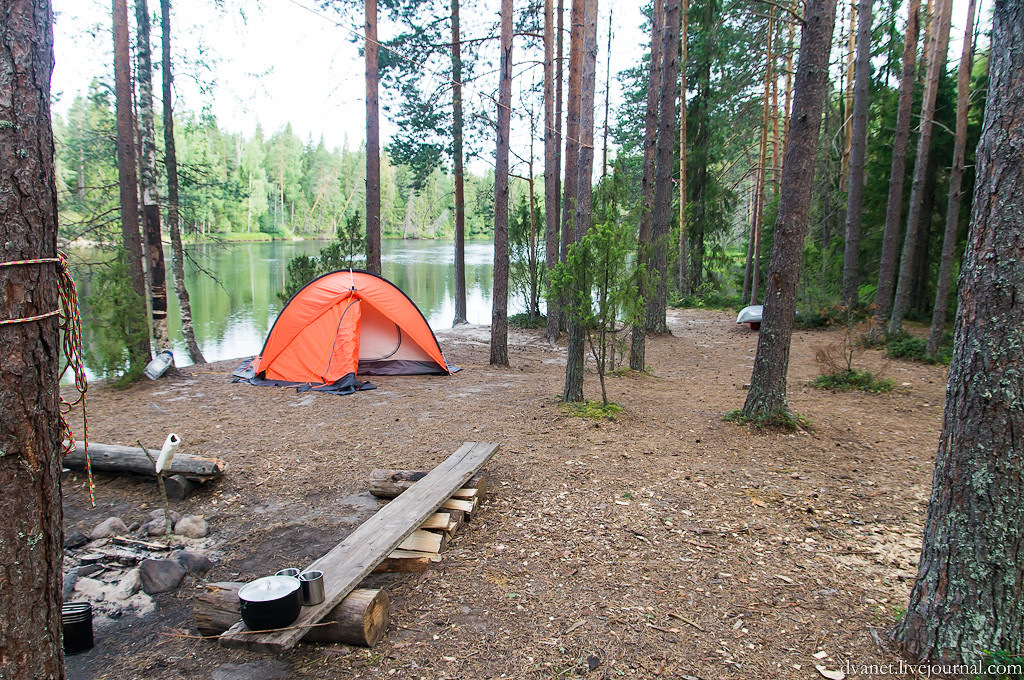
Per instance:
x=276, y=61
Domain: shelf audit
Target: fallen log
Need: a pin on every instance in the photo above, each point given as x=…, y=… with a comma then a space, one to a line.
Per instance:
x=361, y=619
x=113, y=458
x=391, y=483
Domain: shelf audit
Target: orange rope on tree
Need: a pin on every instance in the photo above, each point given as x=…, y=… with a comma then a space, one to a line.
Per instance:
x=73, y=348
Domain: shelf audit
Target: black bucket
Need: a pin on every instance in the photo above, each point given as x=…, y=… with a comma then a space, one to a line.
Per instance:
x=77, y=620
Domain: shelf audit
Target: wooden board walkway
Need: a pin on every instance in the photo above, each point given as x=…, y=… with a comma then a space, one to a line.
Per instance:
x=346, y=565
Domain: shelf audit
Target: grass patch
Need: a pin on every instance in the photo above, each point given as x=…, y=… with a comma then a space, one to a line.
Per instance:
x=788, y=421
x=906, y=346
x=526, y=321
x=594, y=410
x=853, y=380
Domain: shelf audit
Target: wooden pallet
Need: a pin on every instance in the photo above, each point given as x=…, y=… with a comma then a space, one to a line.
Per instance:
x=346, y=565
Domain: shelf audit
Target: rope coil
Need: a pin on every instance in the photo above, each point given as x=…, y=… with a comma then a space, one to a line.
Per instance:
x=70, y=325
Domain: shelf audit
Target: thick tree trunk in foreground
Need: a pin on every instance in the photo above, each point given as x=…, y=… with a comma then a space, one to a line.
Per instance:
x=638, y=346
x=147, y=166
x=584, y=189
x=916, y=213
x=31, y=534
x=894, y=209
x=858, y=151
x=372, y=139
x=460, y=179
x=766, y=399
x=171, y=165
x=661, y=227
x=551, y=169
x=138, y=346
x=573, y=391
x=956, y=176
x=969, y=593
x=499, y=307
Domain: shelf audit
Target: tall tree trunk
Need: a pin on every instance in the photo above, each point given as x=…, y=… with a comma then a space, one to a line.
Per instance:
x=844, y=170
x=637, y=349
x=607, y=94
x=684, y=60
x=148, y=179
x=788, y=100
x=551, y=169
x=460, y=180
x=761, y=187
x=563, y=239
x=766, y=400
x=171, y=166
x=956, y=176
x=139, y=348
x=755, y=199
x=894, y=208
x=499, y=308
x=30, y=456
x=858, y=149
x=663, y=190
x=372, y=139
x=969, y=594
x=573, y=390
x=936, y=63
x=707, y=31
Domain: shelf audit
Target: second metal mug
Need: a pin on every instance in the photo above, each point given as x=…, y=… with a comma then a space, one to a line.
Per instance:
x=312, y=585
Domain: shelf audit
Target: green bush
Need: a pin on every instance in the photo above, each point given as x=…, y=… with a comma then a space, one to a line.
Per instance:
x=709, y=301
x=906, y=346
x=853, y=380
x=119, y=316
x=524, y=320
x=787, y=421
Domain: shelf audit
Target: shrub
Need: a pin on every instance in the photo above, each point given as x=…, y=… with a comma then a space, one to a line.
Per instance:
x=853, y=380
x=906, y=346
x=524, y=320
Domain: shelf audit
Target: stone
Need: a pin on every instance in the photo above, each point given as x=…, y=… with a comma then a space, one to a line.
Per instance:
x=160, y=576
x=264, y=669
x=75, y=540
x=112, y=526
x=70, y=579
x=159, y=514
x=89, y=569
x=157, y=527
x=192, y=526
x=194, y=562
x=129, y=584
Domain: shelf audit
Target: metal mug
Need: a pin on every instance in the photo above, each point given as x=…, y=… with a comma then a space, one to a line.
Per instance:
x=291, y=571
x=312, y=586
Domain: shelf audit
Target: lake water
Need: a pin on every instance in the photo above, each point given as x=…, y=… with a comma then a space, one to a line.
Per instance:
x=233, y=314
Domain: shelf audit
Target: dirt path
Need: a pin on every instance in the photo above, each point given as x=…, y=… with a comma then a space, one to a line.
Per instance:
x=667, y=541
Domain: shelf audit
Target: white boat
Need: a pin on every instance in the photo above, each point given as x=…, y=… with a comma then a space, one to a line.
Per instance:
x=751, y=316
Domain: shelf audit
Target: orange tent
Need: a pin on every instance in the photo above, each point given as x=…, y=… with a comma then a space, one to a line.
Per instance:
x=342, y=324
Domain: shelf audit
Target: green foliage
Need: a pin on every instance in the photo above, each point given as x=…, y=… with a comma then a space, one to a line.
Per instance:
x=788, y=421
x=598, y=287
x=1003, y=665
x=903, y=345
x=118, y=315
x=524, y=320
x=853, y=380
x=708, y=301
x=527, y=266
x=592, y=409
x=342, y=253
x=831, y=315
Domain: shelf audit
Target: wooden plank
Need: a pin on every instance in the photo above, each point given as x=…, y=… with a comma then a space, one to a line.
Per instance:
x=366, y=547
x=465, y=494
x=404, y=561
x=439, y=520
x=424, y=541
x=467, y=507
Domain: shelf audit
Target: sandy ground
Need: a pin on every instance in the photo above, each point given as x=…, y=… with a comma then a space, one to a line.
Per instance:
x=665, y=543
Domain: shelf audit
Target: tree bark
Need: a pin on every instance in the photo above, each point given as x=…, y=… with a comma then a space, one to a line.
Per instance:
x=551, y=169
x=499, y=308
x=559, y=83
x=707, y=51
x=858, y=151
x=573, y=390
x=684, y=278
x=936, y=63
x=149, y=180
x=661, y=227
x=752, y=277
x=31, y=533
x=171, y=166
x=968, y=596
x=607, y=93
x=372, y=139
x=766, y=400
x=956, y=176
x=139, y=348
x=638, y=348
x=460, y=180
x=894, y=208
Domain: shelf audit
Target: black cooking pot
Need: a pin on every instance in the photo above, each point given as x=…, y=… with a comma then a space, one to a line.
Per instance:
x=270, y=602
